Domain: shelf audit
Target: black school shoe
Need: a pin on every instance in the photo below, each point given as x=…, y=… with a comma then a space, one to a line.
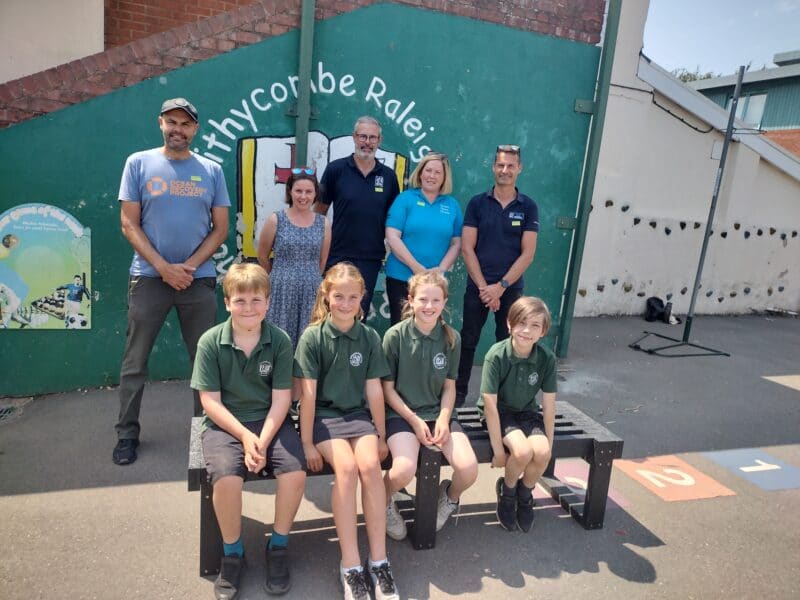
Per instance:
x=506, y=508
x=226, y=587
x=125, y=451
x=277, y=580
x=525, y=512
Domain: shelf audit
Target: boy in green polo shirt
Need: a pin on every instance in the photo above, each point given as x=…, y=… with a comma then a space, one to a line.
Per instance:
x=243, y=372
x=513, y=371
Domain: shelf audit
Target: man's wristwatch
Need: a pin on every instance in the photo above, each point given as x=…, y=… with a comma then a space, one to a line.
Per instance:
x=504, y=284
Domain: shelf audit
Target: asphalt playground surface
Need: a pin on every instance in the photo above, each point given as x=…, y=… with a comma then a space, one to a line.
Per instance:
x=74, y=525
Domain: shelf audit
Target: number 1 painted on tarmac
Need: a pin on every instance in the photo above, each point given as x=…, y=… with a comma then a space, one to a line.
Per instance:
x=761, y=466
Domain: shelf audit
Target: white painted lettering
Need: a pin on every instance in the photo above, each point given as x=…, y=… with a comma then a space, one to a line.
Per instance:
x=211, y=141
x=681, y=478
x=213, y=157
x=223, y=127
x=259, y=106
x=323, y=77
x=391, y=108
x=279, y=92
x=412, y=127
x=423, y=150
x=372, y=94
x=246, y=115
x=344, y=84
x=402, y=116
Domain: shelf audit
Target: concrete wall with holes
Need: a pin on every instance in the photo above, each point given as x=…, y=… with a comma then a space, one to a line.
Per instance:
x=650, y=206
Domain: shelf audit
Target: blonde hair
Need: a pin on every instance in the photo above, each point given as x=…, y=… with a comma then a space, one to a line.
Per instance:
x=430, y=277
x=529, y=306
x=243, y=278
x=338, y=273
x=447, y=184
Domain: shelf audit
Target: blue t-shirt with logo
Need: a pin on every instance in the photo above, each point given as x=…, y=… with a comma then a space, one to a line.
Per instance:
x=176, y=198
x=427, y=229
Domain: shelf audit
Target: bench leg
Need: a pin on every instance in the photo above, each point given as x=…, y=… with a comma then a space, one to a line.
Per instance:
x=594, y=506
x=210, y=536
x=423, y=530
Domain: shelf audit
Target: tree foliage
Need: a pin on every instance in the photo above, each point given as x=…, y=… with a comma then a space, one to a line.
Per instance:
x=685, y=75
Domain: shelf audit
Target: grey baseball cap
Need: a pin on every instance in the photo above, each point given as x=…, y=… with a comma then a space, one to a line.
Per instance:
x=181, y=103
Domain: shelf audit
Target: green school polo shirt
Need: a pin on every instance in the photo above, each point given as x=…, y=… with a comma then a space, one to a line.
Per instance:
x=341, y=363
x=419, y=365
x=245, y=383
x=516, y=380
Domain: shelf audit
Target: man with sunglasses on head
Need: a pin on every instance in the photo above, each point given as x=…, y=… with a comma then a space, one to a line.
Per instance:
x=498, y=242
x=361, y=189
x=174, y=212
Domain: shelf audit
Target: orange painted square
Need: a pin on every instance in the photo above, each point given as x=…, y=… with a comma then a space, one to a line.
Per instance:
x=672, y=479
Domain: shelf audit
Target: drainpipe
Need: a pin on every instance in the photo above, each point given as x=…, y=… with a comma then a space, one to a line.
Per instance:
x=589, y=173
x=304, y=83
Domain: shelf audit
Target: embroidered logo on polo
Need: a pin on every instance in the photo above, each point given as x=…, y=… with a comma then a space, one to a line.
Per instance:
x=356, y=359
x=440, y=361
x=516, y=215
x=444, y=209
x=533, y=378
x=378, y=183
x=264, y=368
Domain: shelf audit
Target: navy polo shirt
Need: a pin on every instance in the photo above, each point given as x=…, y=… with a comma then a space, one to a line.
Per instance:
x=500, y=232
x=360, y=205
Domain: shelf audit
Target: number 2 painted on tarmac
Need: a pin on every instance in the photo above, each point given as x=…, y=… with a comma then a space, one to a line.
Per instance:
x=657, y=479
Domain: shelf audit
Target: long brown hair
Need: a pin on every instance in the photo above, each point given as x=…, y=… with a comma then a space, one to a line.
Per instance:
x=338, y=273
x=430, y=277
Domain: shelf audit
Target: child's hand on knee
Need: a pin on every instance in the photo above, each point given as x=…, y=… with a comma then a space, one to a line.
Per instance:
x=441, y=432
x=499, y=460
x=383, y=449
x=313, y=457
x=422, y=431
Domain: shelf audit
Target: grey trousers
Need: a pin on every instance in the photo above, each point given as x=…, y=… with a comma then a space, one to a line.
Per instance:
x=149, y=303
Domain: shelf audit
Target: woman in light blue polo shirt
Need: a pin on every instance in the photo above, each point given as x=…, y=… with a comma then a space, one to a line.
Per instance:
x=423, y=229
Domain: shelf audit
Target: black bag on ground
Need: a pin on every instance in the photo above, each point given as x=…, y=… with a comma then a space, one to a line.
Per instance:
x=654, y=309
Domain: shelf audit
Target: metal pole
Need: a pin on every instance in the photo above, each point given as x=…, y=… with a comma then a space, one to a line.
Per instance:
x=717, y=184
x=304, y=83
x=589, y=174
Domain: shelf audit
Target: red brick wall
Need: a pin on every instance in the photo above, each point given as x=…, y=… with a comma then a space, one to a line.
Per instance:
x=788, y=138
x=129, y=20
x=143, y=58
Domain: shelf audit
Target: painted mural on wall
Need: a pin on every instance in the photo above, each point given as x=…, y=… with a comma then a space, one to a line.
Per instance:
x=263, y=167
x=45, y=269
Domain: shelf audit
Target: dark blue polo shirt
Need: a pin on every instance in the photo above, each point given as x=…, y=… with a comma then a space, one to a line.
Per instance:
x=500, y=232
x=360, y=205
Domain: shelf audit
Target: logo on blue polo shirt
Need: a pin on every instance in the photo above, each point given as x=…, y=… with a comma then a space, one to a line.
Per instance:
x=356, y=359
x=264, y=368
x=439, y=361
x=533, y=378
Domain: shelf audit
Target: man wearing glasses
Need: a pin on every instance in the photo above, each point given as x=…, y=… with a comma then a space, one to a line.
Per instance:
x=498, y=242
x=174, y=212
x=361, y=189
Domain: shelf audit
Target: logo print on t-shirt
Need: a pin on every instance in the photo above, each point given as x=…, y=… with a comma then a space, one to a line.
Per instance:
x=439, y=361
x=356, y=359
x=156, y=186
x=533, y=378
x=264, y=368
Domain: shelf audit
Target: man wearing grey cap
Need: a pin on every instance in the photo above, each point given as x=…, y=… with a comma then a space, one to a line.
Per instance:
x=174, y=212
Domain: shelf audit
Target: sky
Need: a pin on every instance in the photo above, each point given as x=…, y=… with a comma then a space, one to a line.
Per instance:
x=720, y=35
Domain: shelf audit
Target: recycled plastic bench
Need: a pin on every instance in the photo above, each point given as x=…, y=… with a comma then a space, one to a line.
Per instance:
x=576, y=436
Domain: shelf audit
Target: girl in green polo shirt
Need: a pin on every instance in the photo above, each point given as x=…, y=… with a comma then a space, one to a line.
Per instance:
x=339, y=361
x=514, y=370
x=423, y=353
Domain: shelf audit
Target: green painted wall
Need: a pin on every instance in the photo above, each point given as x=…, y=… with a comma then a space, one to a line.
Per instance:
x=473, y=85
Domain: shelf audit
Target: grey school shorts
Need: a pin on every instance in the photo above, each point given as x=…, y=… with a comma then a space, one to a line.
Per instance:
x=343, y=428
x=399, y=424
x=225, y=456
x=530, y=423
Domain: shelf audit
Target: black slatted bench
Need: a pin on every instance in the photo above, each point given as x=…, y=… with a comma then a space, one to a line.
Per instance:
x=576, y=436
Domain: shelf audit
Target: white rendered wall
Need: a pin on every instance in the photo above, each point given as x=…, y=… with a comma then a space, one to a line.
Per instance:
x=650, y=206
x=38, y=34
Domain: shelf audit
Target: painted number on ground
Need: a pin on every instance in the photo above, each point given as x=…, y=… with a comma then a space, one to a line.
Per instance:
x=758, y=467
x=672, y=479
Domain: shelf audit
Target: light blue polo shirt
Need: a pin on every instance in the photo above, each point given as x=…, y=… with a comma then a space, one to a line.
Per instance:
x=427, y=229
